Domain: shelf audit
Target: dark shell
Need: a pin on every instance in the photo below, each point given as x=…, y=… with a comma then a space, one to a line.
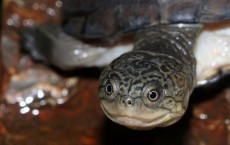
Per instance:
x=90, y=19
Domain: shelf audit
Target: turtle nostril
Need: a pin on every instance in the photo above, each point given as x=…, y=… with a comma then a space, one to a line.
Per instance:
x=129, y=102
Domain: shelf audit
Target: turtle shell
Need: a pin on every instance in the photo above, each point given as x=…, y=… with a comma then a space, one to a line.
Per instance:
x=90, y=19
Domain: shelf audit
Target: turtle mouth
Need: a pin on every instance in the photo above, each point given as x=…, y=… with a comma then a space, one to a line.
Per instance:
x=139, y=123
x=129, y=122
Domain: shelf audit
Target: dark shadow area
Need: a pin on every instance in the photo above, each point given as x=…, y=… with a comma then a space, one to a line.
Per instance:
x=211, y=89
x=91, y=72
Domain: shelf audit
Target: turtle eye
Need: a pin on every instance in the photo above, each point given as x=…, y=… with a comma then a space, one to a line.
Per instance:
x=109, y=89
x=152, y=95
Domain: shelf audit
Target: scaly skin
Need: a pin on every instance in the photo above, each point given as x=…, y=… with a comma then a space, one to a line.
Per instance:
x=150, y=86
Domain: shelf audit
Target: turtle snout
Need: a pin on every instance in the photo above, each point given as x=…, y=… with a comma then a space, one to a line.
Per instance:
x=127, y=101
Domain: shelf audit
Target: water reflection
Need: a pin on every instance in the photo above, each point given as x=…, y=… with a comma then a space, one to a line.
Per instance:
x=38, y=87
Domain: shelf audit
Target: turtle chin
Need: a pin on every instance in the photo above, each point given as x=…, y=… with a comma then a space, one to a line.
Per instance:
x=142, y=124
x=142, y=120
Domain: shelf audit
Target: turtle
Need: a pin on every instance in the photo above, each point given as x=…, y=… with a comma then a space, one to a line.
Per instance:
x=150, y=85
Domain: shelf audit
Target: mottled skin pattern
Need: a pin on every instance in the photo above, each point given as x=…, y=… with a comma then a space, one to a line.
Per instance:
x=150, y=86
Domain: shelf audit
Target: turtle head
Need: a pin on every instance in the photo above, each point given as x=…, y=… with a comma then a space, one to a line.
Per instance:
x=143, y=92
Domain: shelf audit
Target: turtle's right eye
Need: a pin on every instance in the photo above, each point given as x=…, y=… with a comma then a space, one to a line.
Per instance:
x=109, y=88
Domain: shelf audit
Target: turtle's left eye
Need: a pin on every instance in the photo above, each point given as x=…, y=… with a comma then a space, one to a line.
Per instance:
x=152, y=95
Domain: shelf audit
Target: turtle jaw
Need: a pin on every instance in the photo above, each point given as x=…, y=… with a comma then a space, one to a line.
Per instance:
x=139, y=121
x=141, y=124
